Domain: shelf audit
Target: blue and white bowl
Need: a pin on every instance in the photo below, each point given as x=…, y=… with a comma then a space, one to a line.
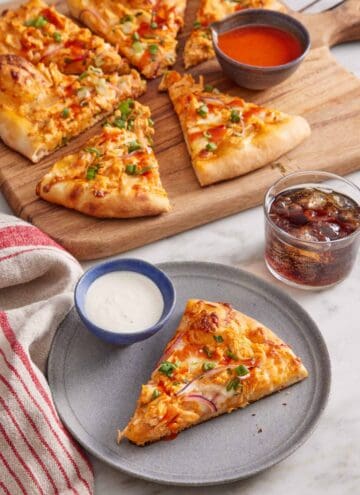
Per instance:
x=133, y=265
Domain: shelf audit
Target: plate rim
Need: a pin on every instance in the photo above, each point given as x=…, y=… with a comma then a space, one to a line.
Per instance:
x=260, y=284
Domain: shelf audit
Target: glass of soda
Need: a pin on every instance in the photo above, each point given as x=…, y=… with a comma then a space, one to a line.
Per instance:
x=312, y=229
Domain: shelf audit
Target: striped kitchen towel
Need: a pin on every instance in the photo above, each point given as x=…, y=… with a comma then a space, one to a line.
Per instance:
x=37, y=277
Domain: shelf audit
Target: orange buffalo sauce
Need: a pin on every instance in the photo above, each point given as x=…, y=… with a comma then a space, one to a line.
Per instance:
x=261, y=46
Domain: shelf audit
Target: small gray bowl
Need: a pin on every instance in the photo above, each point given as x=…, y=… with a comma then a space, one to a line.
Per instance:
x=250, y=76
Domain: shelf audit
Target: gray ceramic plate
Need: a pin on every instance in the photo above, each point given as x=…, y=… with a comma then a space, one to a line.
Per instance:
x=95, y=387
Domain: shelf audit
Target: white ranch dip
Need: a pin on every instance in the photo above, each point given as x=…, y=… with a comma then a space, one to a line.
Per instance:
x=124, y=301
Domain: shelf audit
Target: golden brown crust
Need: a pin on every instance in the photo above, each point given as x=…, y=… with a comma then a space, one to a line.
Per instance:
x=115, y=175
x=218, y=360
x=227, y=137
x=37, y=32
x=144, y=32
x=41, y=108
x=198, y=47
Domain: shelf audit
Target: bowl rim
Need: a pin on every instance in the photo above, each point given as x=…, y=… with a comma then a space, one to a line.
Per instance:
x=269, y=13
x=113, y=266
x=292, y=238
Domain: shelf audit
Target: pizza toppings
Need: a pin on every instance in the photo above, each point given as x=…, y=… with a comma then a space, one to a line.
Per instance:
x=115, y=175
x=188, y=388
x=227, y=136
x=41, y=34
x=145, y=34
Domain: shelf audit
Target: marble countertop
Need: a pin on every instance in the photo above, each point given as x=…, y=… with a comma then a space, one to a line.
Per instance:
x=329, y=462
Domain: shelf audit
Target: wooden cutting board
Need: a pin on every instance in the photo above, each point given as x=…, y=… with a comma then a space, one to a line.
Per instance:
x=321, y=90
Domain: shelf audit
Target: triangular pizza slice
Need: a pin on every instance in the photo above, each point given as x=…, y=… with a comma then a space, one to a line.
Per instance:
x=219, y=360
x=116, y=174
x=41, y=108
x=198, y=47
x=143, y=31
x=39, y=33
x=225, y=135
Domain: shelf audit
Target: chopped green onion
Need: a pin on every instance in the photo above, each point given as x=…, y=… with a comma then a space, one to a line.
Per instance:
x=135, y=36
x=167, y=368
x=126, y=18
x=155, y=394
x=37, y=22
x=65, y=113
x=235, y=116
x=91, y=172
x=119, y=123
x=57, y=37
x=197, y=24
x=207, y=351
x=130, y=169
x=218, y=338
x=233, y=384
x=133, y=146
x=242, y=370
x=231, y=355
x=137, y=47
x=208, y=366
x=208, y=88
x=202, y=110
x=130, y=124
x=94, y=151
x=153, y=49
x=83, y=75
x=207, y=134
x=126, y=107
x=211, y=146
x=154, y=25
x=151, y=122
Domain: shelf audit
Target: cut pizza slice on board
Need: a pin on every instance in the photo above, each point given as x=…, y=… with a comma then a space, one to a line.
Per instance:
x=199, y=47
x=116, y=174
x=226, y=136
x=39, y=33
x=41, y=108
x=219, y=360
x=143, y=31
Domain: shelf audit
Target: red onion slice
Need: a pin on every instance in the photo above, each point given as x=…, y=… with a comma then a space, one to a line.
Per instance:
x=203, y=400
x=214, y=372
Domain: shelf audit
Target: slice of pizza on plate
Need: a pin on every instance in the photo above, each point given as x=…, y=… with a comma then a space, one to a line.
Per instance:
x=226, y=136
x=39, y=33
x=116, y=174
x=199, y=47
x=42, y=108
x=219, y=360
x=143, y=31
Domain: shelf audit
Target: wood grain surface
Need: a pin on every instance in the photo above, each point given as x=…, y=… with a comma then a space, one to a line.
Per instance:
x=321, y=90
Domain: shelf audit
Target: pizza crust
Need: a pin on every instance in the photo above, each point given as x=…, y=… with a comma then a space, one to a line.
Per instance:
x=251, y=155
x=114, y=204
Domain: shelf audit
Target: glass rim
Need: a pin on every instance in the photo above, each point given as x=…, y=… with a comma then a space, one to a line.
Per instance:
x=291, y=237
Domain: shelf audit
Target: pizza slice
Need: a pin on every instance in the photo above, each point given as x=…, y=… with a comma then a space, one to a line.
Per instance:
x=42, y=108
x=37, y=32
x=199, y=47
x=219, y=360
x=143, y=31
x=225, y=135
x=116, y=174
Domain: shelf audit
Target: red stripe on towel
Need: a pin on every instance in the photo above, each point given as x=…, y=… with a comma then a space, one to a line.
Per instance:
x=17, y=348
x=20, y=459
x=30, y=447
x=48, y=422
x=38, y=433
x=24, y=235
x=13, y=474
